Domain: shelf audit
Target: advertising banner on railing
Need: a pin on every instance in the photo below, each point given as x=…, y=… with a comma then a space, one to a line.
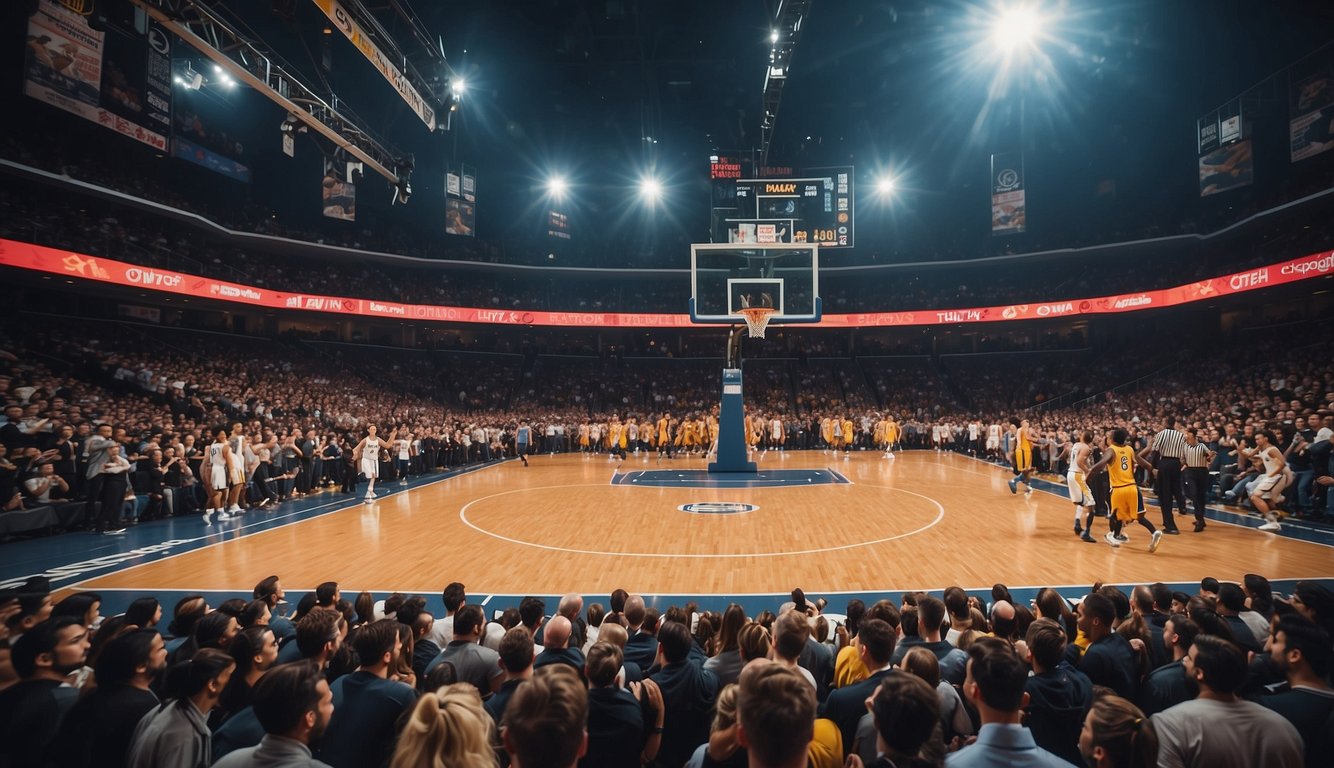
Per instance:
x=124, y=86
x=74, y=265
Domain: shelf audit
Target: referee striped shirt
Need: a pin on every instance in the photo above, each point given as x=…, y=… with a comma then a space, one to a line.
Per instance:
x=1197, y=456
x=1170, y=444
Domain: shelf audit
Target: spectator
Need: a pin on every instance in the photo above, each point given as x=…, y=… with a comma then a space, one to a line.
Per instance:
x=1169, y=685
x=32, y=709
x=1109, y=660
x=1059, y=695
x=176, y=735
x=1117, y=735
x=619, y=735
x=516, y=658
x=557, y=635
x=642, y=647
x=447, y=727
x=994, y=682
x=1302, y=651
x=367, y=704
x=294, y=704
x=905, y=725
x=1218, y=728
x=545, y=720
x=846, y=705
x=688, y=692
x=775, y=714
x=99, y=728
x=473, y=663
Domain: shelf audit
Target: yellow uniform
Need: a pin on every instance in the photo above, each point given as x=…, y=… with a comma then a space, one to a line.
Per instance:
x=827, y=431
x=662, y=431
x=1127, y=504
x=891, y=432
x=848, y=433
x=1023, y=451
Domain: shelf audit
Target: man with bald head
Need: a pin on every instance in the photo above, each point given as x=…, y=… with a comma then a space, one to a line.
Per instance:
x=642, y=647
x=557, y=648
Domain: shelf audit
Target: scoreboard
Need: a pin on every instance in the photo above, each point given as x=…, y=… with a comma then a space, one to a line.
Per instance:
x=782, y=205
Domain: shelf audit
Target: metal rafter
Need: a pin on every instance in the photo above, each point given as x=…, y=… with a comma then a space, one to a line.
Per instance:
x=787, y=24
x=253, y=63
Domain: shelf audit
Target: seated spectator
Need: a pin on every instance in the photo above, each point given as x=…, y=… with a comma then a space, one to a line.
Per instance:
x=1302, y=651
x=32, y=709
x=846, y=705
x=1218, y=728
x=367, y=704
x=1169, y=685
x=688, y=692
x=904, y=721
x=255, y=651
x=726, y=662
x=994, y=682
x=99, y=728
x=473, y=663
x=294, y=704
x=557, y=650
x=1117, y=735
x=775, y=714
x=176, y=735
x=642, y=647
x=447, y=727
x=516, y=658
x=1109, y=660
x=956, y=721
x=1058, y=694
x=545, y=722
x=624, y=726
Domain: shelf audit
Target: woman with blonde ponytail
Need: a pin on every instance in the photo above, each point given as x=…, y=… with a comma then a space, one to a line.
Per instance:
x=448, y=729
x=1117, y=734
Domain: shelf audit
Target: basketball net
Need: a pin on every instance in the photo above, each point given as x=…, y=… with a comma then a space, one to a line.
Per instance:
x=757, y=319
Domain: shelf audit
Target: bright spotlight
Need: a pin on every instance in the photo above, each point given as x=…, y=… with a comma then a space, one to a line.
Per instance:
x=885, y=186
x=458, y=85
x=556, y=186
x=650, y=188
x=1016, y=27
x=773, y=36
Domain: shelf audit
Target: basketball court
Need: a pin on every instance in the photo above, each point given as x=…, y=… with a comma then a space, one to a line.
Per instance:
x=923, y=520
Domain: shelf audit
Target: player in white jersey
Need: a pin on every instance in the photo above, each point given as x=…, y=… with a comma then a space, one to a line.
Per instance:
x=776, y=434
x=1269, y=488
x=367, y=457
x=1076, y=479
x=403, y=458
x=236, y=469
x=217, y=458
x=993, y=440
x=974, y=435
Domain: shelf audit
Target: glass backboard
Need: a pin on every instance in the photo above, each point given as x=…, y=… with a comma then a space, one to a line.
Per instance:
x=726, y=278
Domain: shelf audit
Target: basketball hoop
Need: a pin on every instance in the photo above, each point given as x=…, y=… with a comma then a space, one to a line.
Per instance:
x=757, y=319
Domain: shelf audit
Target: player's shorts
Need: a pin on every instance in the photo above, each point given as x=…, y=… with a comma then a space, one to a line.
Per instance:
x=217, y=478
x=1079, y=489
x=993, y=443
x=1023, y=458
x=1127, y=503
x=370, y=467
x=1265, y=485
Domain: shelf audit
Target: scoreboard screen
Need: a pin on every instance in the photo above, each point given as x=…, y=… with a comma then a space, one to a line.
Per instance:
x=813, y=205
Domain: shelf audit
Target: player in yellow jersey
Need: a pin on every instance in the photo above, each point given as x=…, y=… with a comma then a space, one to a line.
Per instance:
x=1023, y=458
x=891, y=436
x=827, y=432
x=665, y=434
x=1127, y=503
x=849, y=435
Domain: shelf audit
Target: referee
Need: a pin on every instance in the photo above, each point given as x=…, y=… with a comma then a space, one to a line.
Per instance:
x=1197, y=481
x=1170, y=445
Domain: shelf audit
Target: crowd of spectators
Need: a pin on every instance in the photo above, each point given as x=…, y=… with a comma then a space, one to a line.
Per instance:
x=1230, y=674
x=72, y=220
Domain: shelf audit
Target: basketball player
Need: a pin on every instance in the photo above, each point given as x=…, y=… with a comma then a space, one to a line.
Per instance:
x=367, y=456
x=993, y=441
x=974, y=435
x=891, y=436
x=632, y=435
x=1076, y=479
x=776, y=433
x=217, y=462
x=523, y=437
x=403, y=458
x=236, y=469
x=1127, y=503
x=1269, y=488
x=849, y=435
x=665, y=434
x=1023, y=459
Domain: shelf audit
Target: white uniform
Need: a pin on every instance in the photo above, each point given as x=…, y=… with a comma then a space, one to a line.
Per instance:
x=993, y=437
x=1074, y=477
x=217, y=467
x=370, y=458
x=236, y=469
x=1265, y=486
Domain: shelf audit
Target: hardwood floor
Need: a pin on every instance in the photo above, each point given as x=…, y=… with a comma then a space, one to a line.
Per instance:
x=920, y=521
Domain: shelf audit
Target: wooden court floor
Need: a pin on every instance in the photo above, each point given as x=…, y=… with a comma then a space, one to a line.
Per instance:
x=920, y=521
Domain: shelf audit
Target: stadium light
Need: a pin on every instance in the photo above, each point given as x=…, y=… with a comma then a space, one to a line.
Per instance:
x=650, y=189
x=458, y=85
x=773, y=36
x=556, y=186
x=885, y=185
x=1016, y=27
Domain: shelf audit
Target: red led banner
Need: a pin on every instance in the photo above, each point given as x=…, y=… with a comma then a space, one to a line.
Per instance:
x=74, y=265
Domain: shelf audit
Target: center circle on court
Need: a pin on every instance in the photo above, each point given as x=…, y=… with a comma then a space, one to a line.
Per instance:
x=645, y=522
